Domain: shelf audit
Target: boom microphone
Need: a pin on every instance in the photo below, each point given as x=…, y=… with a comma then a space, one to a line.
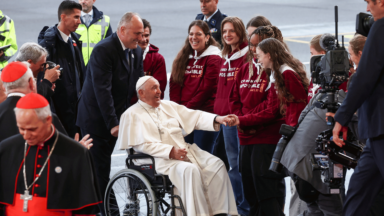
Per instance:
x=327, y=42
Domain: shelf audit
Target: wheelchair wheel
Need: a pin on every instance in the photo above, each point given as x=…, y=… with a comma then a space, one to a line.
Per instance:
x=129, y=193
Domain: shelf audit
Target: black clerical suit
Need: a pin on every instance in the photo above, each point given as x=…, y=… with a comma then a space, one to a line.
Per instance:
x=68, y=88
x=110, y=83
x=67, y=182
x=8, y=126
x=366, y=93
x=214, y=24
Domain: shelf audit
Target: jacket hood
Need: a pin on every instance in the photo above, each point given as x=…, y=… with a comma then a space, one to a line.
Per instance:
x=150, y=49
x=153, y=48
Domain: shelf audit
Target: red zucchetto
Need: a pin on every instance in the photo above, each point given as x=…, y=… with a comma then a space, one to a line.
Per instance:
x=13, y=71
x=32, y=101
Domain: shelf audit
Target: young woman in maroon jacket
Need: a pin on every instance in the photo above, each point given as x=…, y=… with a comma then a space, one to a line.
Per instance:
x=194, y=77
x=263, y=102
x=153, y=61
x=235, y=49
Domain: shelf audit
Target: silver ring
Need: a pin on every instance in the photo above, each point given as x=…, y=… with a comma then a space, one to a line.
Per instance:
x=181, y=157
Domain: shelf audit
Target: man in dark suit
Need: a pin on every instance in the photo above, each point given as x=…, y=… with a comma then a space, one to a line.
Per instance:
x=366, y=93
x=212, y=16
x=64, y=48
x=18, y=81
x=115, y=65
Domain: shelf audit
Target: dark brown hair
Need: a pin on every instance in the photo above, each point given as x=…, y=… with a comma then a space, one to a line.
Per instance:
x=315, y=43
x=357, y=43
x=181, y=61
x=265, y=32
x=238, y=25
x=258, y=21
x=67, y=7
x=147, y=24
x=279, y=56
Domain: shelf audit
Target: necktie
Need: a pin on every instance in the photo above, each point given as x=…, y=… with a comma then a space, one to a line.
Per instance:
x=127, y=53
x=78, y=87
x=87, y=19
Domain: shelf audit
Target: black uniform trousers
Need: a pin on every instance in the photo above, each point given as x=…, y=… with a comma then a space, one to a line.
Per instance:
x=263, y=189
x=101, y=152
x=367, y=180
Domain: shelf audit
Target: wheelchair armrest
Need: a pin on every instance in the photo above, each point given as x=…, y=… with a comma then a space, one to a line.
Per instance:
x=132, y=156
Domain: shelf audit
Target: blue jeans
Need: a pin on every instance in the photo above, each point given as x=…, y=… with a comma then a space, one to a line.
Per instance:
x=232, y=146
x=204, y=139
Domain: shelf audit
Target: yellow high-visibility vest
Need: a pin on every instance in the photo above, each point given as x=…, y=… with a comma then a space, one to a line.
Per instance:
x=7, y=30
x=92, y=35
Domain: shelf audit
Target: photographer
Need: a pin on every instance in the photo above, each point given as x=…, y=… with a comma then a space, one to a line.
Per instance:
x=36, y=56
x=297, y=159
x=366, y=93
x=260, y=121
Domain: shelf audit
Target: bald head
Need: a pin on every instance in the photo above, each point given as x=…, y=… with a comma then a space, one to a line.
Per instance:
x=130, y=30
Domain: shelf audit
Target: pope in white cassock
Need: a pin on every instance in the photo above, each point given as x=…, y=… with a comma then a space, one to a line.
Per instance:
x=157, y=128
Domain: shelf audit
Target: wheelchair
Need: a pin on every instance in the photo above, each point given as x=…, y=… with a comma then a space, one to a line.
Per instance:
x=139, y=190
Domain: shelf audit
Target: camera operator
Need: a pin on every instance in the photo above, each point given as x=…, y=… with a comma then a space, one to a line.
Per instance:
x=366, y=93
x=286, y=95
x=36, y=56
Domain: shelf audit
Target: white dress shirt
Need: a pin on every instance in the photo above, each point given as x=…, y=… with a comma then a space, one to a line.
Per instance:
x=209, y=18
x=63, y=36
x=90, y=13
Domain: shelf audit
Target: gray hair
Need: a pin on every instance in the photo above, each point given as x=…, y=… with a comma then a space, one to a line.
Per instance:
x=31, y=51
x=126, y=19
x=142, y=87
x=42, y=113
x=22, y=82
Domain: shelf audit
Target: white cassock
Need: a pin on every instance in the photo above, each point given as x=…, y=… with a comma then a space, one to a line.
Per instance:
x=201, y=179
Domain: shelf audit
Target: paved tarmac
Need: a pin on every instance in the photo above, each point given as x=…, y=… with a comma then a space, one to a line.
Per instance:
x=299, y=20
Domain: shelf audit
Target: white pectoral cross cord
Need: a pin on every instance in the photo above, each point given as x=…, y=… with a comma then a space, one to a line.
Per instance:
x=26, y=197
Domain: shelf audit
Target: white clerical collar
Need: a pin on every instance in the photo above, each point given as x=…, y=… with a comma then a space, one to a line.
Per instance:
x=147, y=106
x=90, y=13
x=63, y=36
x=122, y=45
x=209, y=18
x=49, y=137
x=16, y=94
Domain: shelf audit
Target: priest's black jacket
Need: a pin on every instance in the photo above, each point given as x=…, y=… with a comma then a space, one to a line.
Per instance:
x=68, y=179
x=8, y=126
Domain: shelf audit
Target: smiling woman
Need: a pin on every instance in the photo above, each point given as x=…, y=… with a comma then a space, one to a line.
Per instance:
x=194, y=76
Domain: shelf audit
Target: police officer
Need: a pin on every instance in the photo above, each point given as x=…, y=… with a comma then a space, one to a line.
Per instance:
x=7, y=37
x=212, y=15
x=94, y=27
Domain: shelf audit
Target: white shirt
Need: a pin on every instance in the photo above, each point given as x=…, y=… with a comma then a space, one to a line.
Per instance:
x=209, y=18
x=124, y=48
x=63, y=36
x=90, y=13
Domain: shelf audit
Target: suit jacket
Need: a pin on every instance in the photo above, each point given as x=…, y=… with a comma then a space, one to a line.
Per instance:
x=109, y=86
x=214, y=24
x=68, y=87
x=8, y=126
x=366, y=91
